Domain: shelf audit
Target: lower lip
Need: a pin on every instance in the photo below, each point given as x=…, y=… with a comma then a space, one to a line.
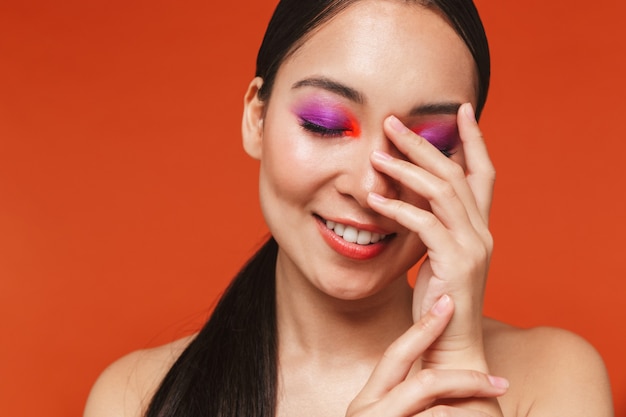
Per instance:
x=347, y=249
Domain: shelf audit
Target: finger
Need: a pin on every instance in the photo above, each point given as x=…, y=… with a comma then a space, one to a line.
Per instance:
x=400, y=356
x=422, y=222
x=428, y=386
x=480, y=170
x=442, y=196
x=448, y=411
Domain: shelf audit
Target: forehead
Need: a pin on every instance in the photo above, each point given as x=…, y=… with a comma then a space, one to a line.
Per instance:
x=387, y=49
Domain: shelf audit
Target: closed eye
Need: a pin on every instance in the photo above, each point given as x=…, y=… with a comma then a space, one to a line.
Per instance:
x=447, y=152
x=443, y=136
x=323, y=130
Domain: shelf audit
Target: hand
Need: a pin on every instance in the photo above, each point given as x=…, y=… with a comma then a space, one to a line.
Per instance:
x=396, y=388
x=455, y=231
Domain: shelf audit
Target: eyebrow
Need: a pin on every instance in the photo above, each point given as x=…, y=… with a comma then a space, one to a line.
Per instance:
x=351, y=94
x=332, y=86
x=435, y=108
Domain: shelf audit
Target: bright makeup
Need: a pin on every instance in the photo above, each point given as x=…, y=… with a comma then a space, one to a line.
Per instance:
x=326, y=118
x=351, y=248
x=442, y=135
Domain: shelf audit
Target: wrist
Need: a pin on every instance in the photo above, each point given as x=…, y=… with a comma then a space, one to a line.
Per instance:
x=470, y=357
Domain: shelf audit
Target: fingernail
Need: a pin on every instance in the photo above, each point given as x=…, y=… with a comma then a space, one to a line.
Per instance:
x=498, y=382
x=441, y=306
x=469, y=111
x=377, y=197
x=382, y=156
x=397, y=125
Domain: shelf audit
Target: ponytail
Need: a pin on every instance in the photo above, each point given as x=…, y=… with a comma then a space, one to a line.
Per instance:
x=229, y=369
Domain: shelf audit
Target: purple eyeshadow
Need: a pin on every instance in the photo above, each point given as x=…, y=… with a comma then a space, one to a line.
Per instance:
x=444, y=136
x=324, y=115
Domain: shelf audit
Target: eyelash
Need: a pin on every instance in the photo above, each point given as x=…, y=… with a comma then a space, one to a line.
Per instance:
x=321, y=130
x=447, y=152
x=328, y=132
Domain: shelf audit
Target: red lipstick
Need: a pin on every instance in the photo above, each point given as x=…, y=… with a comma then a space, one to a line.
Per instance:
x=348, y=249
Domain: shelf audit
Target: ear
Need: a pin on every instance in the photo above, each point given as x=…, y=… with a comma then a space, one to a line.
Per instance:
x=252, y=122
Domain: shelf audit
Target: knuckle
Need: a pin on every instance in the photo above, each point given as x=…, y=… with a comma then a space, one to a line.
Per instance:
x=446, y=191
x=488, y=239
x=482, y=254
x=417, y=144
x=430, y=326
x=426, y=378
x=425, y=324
x=396, y=204
x=456, y=172
x=430, y=221
x=399, y=208
x=488, y=172
x=478, y=378
x=440, y=411
x=490, y=169
x=478, y=249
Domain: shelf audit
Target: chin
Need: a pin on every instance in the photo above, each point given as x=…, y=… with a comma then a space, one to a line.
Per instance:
x=353, y=288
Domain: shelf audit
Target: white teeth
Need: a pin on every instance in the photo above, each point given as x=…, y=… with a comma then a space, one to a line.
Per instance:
x=364, y=238
x=353, y=235
x=350, y=234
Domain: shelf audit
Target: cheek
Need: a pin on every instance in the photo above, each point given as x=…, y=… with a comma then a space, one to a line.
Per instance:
x=290, y=166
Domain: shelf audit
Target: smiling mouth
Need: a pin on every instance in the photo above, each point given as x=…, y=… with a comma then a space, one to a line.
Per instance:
x=353, y=235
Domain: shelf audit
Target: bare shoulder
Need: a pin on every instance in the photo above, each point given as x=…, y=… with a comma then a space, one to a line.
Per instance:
x=552, y=371
x=125, y=387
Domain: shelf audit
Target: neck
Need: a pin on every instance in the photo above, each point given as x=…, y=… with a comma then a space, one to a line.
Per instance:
x=324, y=328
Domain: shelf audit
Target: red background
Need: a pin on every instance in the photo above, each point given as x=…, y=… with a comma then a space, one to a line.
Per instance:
x=126, y=202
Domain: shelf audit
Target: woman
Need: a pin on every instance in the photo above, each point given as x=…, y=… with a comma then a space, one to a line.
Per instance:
x=362, y=118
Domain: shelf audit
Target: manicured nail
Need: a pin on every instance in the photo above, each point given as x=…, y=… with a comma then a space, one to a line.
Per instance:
x=442, y=305
x=397, y=125
x=381, y=156
x=498, y=382
x=469, y=111
x=377, y=197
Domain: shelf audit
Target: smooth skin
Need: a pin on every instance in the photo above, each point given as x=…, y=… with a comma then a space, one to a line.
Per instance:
x=355, y=338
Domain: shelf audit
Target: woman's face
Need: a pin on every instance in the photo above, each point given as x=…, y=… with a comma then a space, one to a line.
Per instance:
x=323, y=121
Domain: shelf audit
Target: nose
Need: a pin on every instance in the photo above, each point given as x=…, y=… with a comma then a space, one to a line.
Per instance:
x=359, y=177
